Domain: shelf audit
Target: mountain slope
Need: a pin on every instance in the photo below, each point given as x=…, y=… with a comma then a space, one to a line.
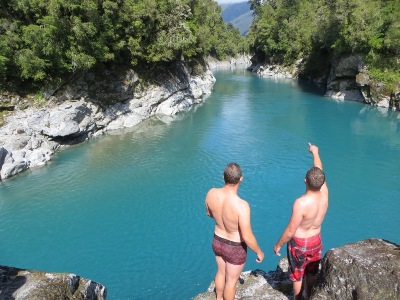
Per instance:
x=238, y=14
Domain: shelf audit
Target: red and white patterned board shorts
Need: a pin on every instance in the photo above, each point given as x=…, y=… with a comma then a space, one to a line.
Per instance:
x=304, y=255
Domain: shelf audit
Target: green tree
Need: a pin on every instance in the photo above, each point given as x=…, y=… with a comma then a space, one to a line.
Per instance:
x=318, y=30
x=44, y=41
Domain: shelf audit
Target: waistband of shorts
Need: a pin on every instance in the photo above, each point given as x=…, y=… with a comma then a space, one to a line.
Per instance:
x=310, y=240
x=228, y=242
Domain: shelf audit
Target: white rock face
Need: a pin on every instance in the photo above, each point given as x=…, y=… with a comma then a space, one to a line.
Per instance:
x=274, y=71
x=30, y=137
x=342, y=95
x=241, y=61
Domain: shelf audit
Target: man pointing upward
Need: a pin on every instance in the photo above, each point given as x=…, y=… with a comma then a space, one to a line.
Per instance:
x=303, y=233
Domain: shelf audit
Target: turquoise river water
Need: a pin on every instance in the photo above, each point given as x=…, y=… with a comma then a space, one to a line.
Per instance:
x=127, y=209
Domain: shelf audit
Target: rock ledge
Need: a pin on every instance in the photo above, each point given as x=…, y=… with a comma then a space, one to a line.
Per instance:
x=368, y=269
x=21, y=284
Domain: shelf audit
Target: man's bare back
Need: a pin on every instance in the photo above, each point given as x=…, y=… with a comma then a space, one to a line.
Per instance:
x=313, y=208
x=225, y=207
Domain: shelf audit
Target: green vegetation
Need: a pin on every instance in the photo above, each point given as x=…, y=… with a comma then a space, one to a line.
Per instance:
x=319, y=30
x=44, y=41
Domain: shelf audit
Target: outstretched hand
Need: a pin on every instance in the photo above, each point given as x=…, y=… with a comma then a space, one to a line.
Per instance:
x=312, y=148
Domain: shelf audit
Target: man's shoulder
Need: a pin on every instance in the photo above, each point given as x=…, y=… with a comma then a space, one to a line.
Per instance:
x=243, y=203
x=301, y=199
x=212, y=190
x=301, y=202
x=213, y=193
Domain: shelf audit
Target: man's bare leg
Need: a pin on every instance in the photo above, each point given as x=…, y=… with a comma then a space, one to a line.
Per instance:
x=297, y=289
x=232, y=275
x=220, y=278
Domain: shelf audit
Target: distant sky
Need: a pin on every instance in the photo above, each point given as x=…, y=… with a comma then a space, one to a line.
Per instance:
x=230, y=1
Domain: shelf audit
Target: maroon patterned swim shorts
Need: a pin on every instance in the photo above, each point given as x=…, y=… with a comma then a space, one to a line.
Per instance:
x=233, y=252
x=304, y=255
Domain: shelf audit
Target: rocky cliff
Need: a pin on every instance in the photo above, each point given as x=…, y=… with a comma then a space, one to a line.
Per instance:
x=90, y=104
x=365, y=270
x=347, y=79
x=20, y=284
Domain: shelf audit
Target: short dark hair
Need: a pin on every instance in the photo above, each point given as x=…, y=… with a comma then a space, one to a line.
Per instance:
x=232, y=173
x=315, y=178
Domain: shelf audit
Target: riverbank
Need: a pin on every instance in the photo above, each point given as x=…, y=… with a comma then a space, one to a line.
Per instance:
x=346, y=79
x=92, y=104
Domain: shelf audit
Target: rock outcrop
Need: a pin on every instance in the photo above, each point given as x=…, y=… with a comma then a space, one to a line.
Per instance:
x=20, y=284
x=231, y=62
x=341, y=84
x=259, y=285
x=271, y=70
x=369, y=269
x=91, y=104
x=348, y=79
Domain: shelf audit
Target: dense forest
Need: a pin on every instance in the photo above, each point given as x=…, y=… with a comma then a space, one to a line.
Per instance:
x=321, y=30
x=43, y=41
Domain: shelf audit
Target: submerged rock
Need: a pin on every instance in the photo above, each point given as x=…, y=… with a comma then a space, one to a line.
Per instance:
x=20, y=284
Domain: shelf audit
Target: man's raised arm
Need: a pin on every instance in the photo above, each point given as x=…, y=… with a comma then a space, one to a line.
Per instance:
x=317, y=163
x=316, y=159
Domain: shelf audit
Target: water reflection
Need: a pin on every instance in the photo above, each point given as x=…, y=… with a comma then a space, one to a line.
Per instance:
x=377, y=122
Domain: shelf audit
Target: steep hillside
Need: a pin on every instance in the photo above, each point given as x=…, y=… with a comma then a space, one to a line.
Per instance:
x=239, y=15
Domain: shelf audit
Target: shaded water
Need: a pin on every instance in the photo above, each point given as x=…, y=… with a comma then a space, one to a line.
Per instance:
x=127, y=209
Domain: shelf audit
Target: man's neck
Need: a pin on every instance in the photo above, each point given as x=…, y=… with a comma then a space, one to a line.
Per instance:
x=312, y=192
x=231, y=187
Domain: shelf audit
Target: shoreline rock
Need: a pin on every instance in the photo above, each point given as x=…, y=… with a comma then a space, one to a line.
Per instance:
x=241, y=61
x=76, y=112
x=368, y=269
x=21, y=284
x=259, y=285
x=348, y=79
x=271, y=70
x=92, y=104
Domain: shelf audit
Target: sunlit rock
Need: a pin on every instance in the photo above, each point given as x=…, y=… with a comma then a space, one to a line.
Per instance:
x=21, y=284
x=369, y=269
x=92, y=104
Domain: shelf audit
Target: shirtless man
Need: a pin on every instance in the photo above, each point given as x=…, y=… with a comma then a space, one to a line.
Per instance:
x=232, y=232
x=303, y=233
